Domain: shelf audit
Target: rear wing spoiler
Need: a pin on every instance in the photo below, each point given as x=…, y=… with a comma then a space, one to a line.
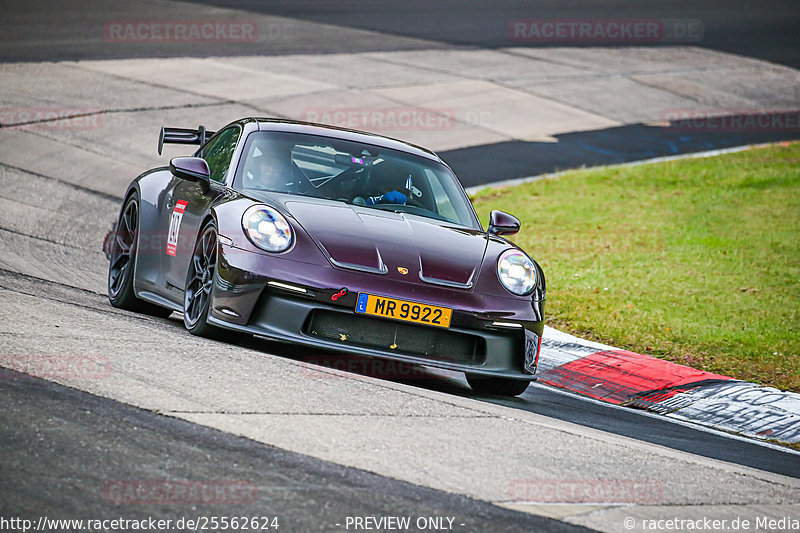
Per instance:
x=183, y=136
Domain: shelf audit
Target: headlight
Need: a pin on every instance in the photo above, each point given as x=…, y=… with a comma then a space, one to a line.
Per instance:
x=516, y=272
x=267, y=228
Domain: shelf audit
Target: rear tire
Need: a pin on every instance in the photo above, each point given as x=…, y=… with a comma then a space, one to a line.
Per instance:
x=497, y=386
x=200, y=282
x=122, y=245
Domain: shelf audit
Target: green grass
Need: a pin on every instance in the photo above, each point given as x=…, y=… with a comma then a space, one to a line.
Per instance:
x=695, y=261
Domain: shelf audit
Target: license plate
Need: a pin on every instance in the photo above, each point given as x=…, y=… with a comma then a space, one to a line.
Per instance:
x=431, y=315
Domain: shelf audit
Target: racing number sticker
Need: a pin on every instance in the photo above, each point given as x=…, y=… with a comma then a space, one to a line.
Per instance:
x=175, y=227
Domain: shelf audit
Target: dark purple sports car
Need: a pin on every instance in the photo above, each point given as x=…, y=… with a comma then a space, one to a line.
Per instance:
x=333, y=239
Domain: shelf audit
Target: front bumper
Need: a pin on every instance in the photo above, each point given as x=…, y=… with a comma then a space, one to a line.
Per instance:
x=297, y=303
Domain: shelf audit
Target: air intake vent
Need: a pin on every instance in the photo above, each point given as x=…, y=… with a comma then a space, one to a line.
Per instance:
x=433, y=343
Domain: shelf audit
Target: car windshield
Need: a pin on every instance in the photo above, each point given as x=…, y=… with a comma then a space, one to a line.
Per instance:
x=355, y=173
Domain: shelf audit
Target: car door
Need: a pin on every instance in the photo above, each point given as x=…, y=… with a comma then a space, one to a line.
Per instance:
x=187, y=205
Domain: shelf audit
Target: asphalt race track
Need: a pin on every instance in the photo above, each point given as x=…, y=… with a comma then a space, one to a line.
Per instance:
x=104, y=439
x=55, y=30
x=761, y=30
x=316, y=445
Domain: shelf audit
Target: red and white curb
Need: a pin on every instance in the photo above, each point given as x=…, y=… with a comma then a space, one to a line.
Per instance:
x=641, y=381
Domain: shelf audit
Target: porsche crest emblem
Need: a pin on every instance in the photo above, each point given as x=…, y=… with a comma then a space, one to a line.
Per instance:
x=402, y=270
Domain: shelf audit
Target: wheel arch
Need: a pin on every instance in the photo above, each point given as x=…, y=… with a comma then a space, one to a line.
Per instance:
x=151, y=186
x=210, y=217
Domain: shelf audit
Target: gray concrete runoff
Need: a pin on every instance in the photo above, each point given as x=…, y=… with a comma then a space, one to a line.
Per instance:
x=61, y=180
x=441, y=99
x=200, y=472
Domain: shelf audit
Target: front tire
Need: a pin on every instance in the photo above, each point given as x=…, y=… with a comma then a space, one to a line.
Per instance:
x=199, y=283
x=122, y=251
x=497, y=386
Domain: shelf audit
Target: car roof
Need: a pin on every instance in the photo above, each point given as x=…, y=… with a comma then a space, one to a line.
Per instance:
x=310, y=128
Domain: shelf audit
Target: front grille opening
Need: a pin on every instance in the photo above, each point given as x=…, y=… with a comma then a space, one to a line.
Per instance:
x=433, y=343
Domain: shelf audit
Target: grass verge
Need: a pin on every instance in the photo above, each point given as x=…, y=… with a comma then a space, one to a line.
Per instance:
x=696, y=261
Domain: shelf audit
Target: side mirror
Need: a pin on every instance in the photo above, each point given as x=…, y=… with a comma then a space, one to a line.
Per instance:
x=501, y=223
x=192, y=169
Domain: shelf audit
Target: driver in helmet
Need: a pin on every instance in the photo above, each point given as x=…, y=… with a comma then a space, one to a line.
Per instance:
x=270, y=167
x=392, y=174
